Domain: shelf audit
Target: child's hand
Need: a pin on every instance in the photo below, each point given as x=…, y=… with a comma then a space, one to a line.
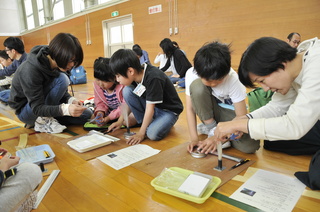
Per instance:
x=114, y=126
x=7, y=162
x=135, y=139
x=207, y=146
x=191, y=145
x=99, y=119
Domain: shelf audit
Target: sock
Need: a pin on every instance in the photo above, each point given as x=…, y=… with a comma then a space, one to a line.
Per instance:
x=211, y=125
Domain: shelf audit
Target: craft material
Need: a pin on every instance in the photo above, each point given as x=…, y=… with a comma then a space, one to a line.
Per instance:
x=219, y=149
x=36, y=154
x=230, y=157
x=172, y=178
x=195, y=185
x=90, y=141
x=45, y=187
x=124, y=111
x=239, y=164
x=197, y=154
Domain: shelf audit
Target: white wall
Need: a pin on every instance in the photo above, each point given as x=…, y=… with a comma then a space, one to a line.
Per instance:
x=9, y=18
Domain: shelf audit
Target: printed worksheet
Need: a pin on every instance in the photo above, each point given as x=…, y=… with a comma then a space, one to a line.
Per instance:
x=270, y=191
x=127, y=156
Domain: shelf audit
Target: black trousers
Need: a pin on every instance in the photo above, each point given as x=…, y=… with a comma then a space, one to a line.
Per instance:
x=309, y=144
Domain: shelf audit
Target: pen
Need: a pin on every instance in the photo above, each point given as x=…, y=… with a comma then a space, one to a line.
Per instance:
x=239, y=164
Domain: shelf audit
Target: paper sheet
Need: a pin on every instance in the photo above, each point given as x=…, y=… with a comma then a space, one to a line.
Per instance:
x=270, y=191
x=127, y=156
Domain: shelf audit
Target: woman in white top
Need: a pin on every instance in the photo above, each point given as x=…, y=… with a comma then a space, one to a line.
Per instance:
x=290, y=121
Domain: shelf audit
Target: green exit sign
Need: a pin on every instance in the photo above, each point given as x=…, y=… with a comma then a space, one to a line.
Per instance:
x=114, y=13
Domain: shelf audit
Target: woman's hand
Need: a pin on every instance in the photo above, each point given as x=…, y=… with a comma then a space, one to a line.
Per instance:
x=77, y=102
x=76, y=110
x=225, y=129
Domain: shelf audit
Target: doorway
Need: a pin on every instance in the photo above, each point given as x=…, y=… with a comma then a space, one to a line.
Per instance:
x=117, y=34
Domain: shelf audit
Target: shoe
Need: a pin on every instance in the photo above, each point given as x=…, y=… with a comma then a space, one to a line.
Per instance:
x=225, y=145
x=202, y=129
x=48, y=125
x=211, y=132
x=28, y=126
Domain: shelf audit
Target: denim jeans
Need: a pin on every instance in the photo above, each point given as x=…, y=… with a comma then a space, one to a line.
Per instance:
x=4, y=95
x=174, y=79
x=53, y=94
x=163, y=120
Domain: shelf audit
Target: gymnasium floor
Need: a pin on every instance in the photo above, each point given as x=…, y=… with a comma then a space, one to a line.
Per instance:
x=90, y=185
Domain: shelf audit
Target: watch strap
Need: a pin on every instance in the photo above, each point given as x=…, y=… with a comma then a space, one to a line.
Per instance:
x=10, y=173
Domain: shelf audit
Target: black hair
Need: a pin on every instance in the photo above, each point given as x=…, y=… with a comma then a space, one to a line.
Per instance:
x=102, y=70
x=263, y=57
x=4, y=54
x=123, y=59
x=213, y=61
x=137, y=50
x=136, y=45
x=176, y=44
x=292, y=34
x=167, y=47
x=14, y=43
x=65, y=47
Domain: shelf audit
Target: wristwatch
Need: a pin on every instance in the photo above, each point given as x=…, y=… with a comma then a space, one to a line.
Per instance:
x=10, y=173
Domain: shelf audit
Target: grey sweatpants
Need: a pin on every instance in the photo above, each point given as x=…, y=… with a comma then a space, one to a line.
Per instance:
x=17, y=188
x=206, y=107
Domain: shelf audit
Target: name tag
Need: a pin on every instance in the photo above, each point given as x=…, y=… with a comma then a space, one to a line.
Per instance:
x=139, y=90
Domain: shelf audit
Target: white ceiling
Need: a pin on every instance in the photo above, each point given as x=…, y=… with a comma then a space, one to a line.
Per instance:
x=9, y=20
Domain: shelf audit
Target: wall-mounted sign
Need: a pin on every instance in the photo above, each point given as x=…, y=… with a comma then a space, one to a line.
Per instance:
x=155, y=9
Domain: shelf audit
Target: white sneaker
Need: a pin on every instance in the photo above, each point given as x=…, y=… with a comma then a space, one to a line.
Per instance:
x=202, y=129
x=225, y=145
x=48, y=125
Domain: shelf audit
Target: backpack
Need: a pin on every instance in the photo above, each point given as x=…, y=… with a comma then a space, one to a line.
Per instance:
x=258, y=98
x=78, y=75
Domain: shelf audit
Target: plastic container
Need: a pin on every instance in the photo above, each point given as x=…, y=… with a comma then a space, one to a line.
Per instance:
x=173, y=182
x=36, y=154
x=90, y=141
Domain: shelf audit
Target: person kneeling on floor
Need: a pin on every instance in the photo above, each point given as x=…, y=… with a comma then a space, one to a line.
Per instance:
x=39, y=93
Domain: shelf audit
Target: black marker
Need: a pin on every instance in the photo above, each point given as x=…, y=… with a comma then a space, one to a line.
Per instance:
x=239, y=164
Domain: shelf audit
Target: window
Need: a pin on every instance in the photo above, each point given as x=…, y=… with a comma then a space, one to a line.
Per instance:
x=103, y=1
x=41, y=12
x=52, y=10
x=29, y=13
x=117, y=34
x=58, y=9
x=77, y=6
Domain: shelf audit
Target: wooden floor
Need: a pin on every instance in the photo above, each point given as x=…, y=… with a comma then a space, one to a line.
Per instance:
x=93, y=186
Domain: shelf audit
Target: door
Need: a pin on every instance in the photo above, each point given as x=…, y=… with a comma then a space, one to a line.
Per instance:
x=117, y=34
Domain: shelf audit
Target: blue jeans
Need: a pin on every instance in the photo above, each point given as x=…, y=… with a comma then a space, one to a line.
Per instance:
x=53, y=94
x=4, y=95
x=163, y=120
x=174, y=79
